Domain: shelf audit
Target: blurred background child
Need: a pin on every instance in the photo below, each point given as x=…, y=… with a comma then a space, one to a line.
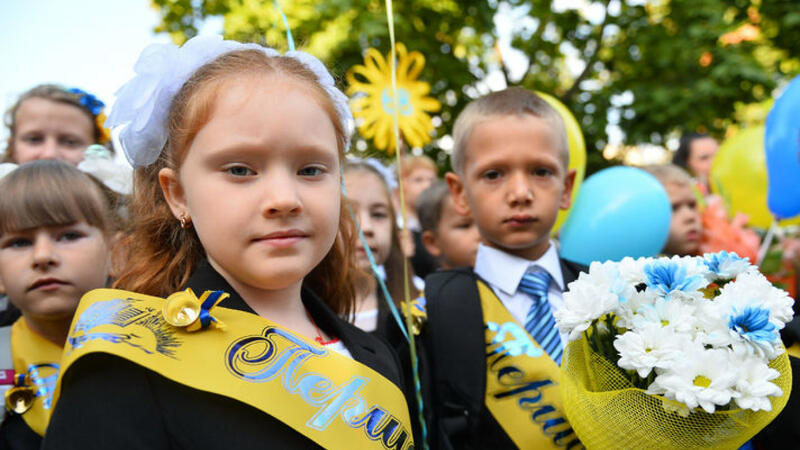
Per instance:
x=417, y=173
x=685, y=229
x=371, y=202
x=448, y=236
x=55, y=240
x=695, y=154
x=114, y=181
x=52, y=122
x=368, y=190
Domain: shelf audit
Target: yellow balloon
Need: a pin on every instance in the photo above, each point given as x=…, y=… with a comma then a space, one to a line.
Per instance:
x=739, y=176
x=789, y=222
x=577, y=151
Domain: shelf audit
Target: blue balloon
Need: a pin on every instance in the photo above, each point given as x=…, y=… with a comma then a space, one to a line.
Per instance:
x=782, y=146
x=619, y=211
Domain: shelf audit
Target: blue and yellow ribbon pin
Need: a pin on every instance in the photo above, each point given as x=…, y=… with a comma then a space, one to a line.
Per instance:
x=184, y=310
x=419, y=313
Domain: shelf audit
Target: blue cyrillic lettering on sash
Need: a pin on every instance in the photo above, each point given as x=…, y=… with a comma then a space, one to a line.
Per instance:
x=379, y=426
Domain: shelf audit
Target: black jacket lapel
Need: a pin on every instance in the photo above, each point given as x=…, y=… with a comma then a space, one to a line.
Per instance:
x=570, y=271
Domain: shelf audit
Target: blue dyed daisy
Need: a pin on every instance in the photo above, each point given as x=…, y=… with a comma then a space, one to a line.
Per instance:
x=669, y=277
x=753, y=325
x=726, y=265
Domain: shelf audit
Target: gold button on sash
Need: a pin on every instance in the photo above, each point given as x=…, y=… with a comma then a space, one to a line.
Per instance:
x=19, y=399
x=181, y=308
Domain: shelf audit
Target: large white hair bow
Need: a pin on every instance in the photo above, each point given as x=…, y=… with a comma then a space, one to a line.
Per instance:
x=143, y=103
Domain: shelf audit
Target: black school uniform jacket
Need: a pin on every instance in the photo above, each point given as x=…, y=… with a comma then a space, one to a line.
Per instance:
x=455, y=350
x=15, y=434
x=110, y=403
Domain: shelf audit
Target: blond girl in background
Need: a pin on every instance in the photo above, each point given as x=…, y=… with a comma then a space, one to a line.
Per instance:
x=55, y=238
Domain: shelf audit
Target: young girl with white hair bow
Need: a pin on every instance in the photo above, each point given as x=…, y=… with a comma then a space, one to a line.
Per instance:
x=228, y=334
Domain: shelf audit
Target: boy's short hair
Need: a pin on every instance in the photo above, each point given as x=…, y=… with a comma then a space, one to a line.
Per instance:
x=430, y=205
x=513, y=101
x=669, y=174
x=413, y=162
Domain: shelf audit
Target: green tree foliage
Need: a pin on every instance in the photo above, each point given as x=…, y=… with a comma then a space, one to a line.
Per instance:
x=649, y=67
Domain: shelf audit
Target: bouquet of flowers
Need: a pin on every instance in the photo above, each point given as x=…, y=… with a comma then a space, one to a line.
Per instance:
x=679, y=352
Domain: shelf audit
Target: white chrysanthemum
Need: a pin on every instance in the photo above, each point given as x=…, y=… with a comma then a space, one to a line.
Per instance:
x=675, y=314
x=627, y=311
x=583, y=303
x=701, y=377
x=606, y=274
x=711, y=326
x=676, y=278
x=631, y=269
x=754, y=287
x=754, y=385
x=591, y=296
x=736, y=323
x=695, y=265
x=726, y=266
x=648, y=348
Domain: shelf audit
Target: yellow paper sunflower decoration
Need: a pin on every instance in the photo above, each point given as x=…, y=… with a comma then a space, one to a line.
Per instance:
x=371, y=86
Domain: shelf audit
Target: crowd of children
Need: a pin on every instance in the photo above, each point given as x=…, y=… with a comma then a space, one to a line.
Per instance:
x=248, y=291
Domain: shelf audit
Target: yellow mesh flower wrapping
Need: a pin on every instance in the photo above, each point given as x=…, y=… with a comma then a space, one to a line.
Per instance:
x=607, y=412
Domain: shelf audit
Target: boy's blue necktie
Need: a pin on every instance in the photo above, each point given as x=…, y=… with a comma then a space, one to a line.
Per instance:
x=540, y=323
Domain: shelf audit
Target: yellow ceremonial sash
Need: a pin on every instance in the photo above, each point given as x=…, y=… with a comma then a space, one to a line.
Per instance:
x=331, y=399
x=522, y=382
x=38, y=359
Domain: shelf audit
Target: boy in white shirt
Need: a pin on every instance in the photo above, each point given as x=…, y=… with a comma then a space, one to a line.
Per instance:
x=491, y=339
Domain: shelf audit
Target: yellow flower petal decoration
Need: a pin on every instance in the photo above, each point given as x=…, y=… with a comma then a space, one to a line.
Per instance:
x=371, y=86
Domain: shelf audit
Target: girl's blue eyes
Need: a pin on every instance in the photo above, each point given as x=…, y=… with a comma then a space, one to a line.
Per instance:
x=70, y=142
x=33, y=139
x=67, y=236
x=70, y=236
x=17, y=243
x=310, y=171
x=242, y=171
x=239, y=171
x=40, y=139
